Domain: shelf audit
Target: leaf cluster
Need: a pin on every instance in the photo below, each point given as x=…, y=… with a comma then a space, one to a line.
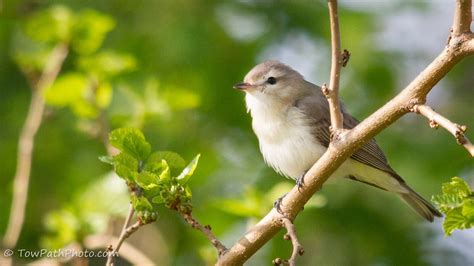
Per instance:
x=457, y=203
x=150, y=175
x=86, y=88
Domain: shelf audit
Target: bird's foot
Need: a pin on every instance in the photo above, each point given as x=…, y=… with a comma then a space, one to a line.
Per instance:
x=300, y=180
x=277, y=204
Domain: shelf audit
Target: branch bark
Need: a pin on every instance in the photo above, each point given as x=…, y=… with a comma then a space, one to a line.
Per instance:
x=297, y=248
x=461, y=45
x=332, y=93
x=462, y=17
x=26, y=144
x=206, y=230
x=438, y=120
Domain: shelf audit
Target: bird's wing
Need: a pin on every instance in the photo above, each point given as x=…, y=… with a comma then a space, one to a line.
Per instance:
x=318, y=114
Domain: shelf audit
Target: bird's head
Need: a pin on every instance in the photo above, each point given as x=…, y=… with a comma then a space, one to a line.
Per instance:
x=273, y=81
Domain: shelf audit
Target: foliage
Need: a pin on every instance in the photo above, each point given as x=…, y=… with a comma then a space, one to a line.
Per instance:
x=86, y=89
x=148, y=175
x=173, y=78
x=457, y=203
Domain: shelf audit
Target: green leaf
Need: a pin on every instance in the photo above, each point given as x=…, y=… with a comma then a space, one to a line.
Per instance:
x=107, y=159
x=30, y=55
x=468, y=209
x=132, y=141
x=454, y=220
x=89, y=31
x=158, y=200
x=457, y=186
x=103, y=95
x=67, y=89
x=188, y=171
x=141, y=203
x=52, y=25
x=457, y=203
x=165, y=174
x=74, y=90
x=107, y=64
x=125, y=166
x=173, y=159
x=147, y=180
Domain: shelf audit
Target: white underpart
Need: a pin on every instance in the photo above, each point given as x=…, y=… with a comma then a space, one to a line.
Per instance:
x=288, y=147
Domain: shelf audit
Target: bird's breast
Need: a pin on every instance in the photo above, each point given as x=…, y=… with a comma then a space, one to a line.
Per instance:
x=285, y=140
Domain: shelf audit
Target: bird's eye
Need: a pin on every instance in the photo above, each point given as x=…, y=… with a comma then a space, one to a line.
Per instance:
x=271, y=80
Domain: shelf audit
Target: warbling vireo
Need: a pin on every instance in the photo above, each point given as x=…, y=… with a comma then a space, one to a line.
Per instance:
x=290, y=117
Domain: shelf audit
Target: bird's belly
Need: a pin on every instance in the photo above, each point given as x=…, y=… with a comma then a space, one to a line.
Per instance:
x=290, y=149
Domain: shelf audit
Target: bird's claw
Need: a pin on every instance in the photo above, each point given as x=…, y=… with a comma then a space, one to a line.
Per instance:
x=277, y=204
x=300, y=180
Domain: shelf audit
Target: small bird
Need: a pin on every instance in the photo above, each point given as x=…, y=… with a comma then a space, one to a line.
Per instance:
x=291, y=119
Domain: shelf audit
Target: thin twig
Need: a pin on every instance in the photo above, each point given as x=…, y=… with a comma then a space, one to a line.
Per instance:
x=438, y=120
x=462, y=17
x=332, y=93
x=26, y=144
x=131, y=211
x=297, y=247
x=123, y=236
x=206, y=230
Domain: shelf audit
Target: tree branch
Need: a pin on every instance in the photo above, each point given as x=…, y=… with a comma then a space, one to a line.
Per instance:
x=123, y=236
x=206, y=230
x=462, y=17
x=26, y=144
x=126, y=232
x=297, y=248
x=332, y=93
x=348, y=142
x=437, y=120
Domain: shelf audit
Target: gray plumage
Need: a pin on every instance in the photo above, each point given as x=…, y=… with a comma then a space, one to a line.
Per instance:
x=291, y=120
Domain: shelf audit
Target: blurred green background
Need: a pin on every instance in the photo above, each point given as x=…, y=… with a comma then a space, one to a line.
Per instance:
x=168, y=68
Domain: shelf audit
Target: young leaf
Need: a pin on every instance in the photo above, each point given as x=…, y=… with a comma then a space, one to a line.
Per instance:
x=147, y=180
x=125, y=166
x=132, y=141
x=468, y=209
x=107, y=159
x=454, y=220
x=457, y=203
x=107, y=64
x=51, y=25
x=67, y=89
x=158, y=200
x=457, y=187
x=165, y=174
x=173, y=159
x=188, y=171
x=89, y=31
x=141, y=203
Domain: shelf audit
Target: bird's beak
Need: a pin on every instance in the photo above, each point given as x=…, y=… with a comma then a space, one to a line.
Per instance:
x=243, y=86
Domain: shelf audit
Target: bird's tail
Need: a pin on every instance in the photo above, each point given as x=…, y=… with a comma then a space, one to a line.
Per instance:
x=420, y=205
